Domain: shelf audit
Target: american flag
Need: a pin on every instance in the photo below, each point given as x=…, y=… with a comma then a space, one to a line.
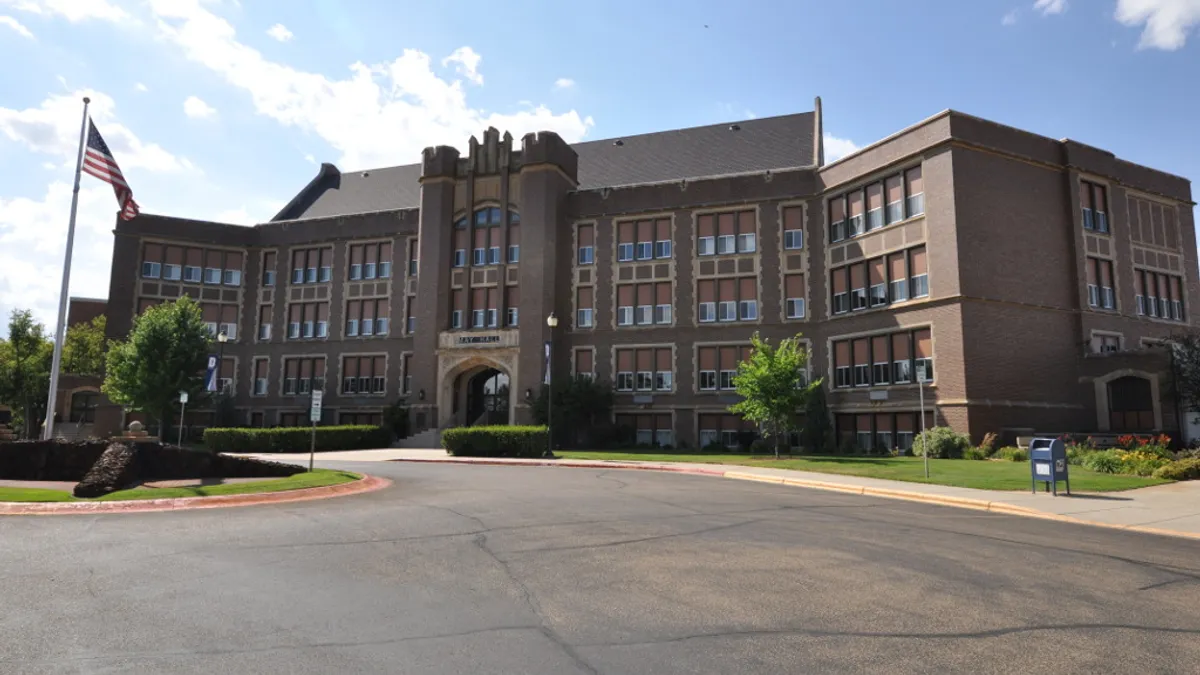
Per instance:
x=98, y=161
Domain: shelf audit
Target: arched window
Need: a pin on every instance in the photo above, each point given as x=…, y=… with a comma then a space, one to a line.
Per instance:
x=83, y=407
x=488, y=216
x=1130, y=404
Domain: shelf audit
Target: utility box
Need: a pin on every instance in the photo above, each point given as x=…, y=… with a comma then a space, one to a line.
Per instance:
x=1048, y=464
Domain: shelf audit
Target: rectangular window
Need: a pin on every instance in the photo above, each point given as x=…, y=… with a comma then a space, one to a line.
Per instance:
x=264, y=323
x=841, y=364
x=862, y=365
x=901, y=355
x=874, y=206
x=897, y=269
x=479, y=256
x=456, y=318
x=1099, y=204
x=793, y=290
x=881, y=367
x=645, y=250
x=837, y=219
x=793, y=228
x=492, y=318
x=625, y=300
x=460, y=258
x=878, y=289
x=708, y=380
x=269, y=269
x=841, y=290
x=191, y=274
x=172, y=272
x=371, y=266
x=478, y=317
x=260, y=377
x=212, y=275
x=645, y=380
x=915, y=203
x=494, y=255
x=858, y=287
x=919, y=281
x=923, y=352
x=727, y=310
x=624, y=252
x=513, y=316
x=894, y=210
x=233, y=277
x=624, y=381
x=385, y=260
x=726, y=244
x=587, y=244
x=514, y=254
x=326, y=262
x=857, y=216
x=662, y=380
x=587, y=255
x=748, y=310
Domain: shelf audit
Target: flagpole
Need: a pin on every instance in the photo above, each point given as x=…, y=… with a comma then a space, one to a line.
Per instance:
x=60, y=329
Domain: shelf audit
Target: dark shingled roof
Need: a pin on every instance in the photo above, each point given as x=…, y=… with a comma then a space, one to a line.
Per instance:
x=781, y=142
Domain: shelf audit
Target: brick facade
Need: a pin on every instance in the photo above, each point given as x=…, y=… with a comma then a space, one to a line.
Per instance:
x=987, y=218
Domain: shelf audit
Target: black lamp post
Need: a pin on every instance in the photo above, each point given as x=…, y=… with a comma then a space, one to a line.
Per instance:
x=222, y=338
x=552, y=322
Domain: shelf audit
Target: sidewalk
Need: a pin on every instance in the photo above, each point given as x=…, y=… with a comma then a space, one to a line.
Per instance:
x=1172, y=509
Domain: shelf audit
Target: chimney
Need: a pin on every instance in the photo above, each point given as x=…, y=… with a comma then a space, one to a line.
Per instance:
x=818, y=135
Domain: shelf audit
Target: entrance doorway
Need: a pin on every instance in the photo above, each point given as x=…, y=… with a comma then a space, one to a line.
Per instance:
x=1130, y=404
x=487, y=398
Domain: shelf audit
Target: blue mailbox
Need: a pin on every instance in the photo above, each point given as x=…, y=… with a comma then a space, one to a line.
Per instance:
x=1048, y=464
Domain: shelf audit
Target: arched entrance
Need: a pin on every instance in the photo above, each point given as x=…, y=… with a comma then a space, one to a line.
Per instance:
x=486, y=393
x=83, y=407
x=1130, y=404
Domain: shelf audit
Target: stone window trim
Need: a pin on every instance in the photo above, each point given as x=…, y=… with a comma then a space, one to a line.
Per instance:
x=1133, y=194
x=575, y=243
x=840, y=191
x=375, y=241
x=907, y=250
x=612, y=363
x=283, y=374
x=322, y=276
x=760, y=317
x=695, y=365
x=341, y=374
x=902, y=328
x=405, y=377
x=262, y=269
x=614, y=296
x=574, y=355
x=1094, y=340
x=1086, y=181
x=757, y=208
x=614, y=226
x=245, y=252
x=233, y=379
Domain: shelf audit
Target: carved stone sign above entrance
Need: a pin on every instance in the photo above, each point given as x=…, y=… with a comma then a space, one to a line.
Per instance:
x=472, y=340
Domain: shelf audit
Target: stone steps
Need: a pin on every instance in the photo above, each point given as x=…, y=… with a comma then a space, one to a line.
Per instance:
x=430, y=438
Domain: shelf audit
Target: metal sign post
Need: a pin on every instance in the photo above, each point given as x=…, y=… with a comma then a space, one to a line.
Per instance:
x=314, y=415
x=183, y=399
x=924, y=438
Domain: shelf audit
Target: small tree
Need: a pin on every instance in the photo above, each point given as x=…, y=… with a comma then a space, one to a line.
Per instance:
x=83, y=350
x=25, y=362
x=166, y=353
x=581, y=404
x=771, y=384
x=817, y=435
x=1186, y=355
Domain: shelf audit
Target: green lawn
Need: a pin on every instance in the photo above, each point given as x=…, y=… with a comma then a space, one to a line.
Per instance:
x=983, y=475
x=318, y=478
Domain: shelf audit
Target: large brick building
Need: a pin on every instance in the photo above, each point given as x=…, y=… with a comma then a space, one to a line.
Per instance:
x=1028, y=278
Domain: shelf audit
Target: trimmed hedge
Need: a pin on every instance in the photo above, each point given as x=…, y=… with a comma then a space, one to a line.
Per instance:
x=1187, y=468
x=497, y=441
x=943, y=443
x=297, y=439
x=48, y=460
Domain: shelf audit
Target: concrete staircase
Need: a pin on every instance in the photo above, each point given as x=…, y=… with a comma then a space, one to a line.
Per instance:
x=425, y=440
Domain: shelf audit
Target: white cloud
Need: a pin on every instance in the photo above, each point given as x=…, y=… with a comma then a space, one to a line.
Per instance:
x=1050, y=6
x=280, y=32
x=837, y=148
x=16, y=26
x=564, y=83
x=1167, y=22
x=196, y=108
x=53, y=129
x=33, y=235
x=379, y=114
x=141, y=87
x=310, y=159
x=1010, y=18
x=71, y=10
x=466, y=63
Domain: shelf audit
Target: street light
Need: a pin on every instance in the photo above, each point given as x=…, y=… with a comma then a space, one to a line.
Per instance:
x=552, y=322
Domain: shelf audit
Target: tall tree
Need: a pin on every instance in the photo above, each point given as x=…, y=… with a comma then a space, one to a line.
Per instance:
x=25, y=360
x=165, y=354
x=1185, y=352
x=818, y=428
x=771, y=384
x=83, y=350
x=581, y=404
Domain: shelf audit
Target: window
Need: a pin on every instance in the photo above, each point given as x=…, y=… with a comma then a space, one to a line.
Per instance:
x=726, y=379
x=861, y=366
x=643, y=315
x=1100, y=284
x=407, y=363
x=191, y=274
x=624, y=316
x=587, y=244
x=212, y=275
x=841, y=290
x=624, y=252
x=857, y=217
x=624, y=381
x=585, y=318
x=492, y=318
x=915, y=203
x=662, y=249
x=478, y=316
x=494, y=255
x=514, y=254
x=584, y=307
x=1105, y=344
x=356, y=271
x=748, y=310
x=303, y=375
x=919, y=281
x=269, y=262
x=1093, y=203
x=308, y=320
x=584, y=363
x=264, y=322
x=837, y=219
x=312, y=265
x=413, y=256
x=456, y=318
x=894, y=210
x=876, y=277
x=648, y=429
x=512, y=317
x=858, y=287
x=708, y=380
x=793, y=239
x=874, y=206
x=645, y=380
x=645, y=250
x=726, y=244
x=260, y=377
x=706, y=246
x=793, y=291
x=897, y=272
x=901, y=359
x=479, y=256
x=746, y=243
x=881, y=366
x=172, y=272
x=460, y=258
x=795, y=308
x=365, y=375
x=662, y=380
x=717, y=365
x=727, y=310
x=233, y=277
x=151, y=270
x=662, y=314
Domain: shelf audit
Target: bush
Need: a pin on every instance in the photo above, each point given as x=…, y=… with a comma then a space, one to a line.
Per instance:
x=297, y=439
x=395, y=419
x=943, y=442
x=496, y=441
x=1180, y=469
x=988, y=445
x=715, y=447
x=975, y=453
x=1104, y=461
x=1012, y=454
x=1076, y=454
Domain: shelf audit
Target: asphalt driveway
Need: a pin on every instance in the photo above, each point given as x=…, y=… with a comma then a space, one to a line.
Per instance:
x=482, y=569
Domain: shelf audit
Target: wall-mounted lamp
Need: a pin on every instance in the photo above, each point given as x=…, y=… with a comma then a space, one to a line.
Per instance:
x=528, y=394
x=421, y=395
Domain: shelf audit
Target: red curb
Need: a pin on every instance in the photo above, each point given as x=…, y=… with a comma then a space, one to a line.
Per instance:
x=364, y=484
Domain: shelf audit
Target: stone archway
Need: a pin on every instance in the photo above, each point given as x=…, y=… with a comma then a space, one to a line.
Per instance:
x=459, y=368
x=1104, y=397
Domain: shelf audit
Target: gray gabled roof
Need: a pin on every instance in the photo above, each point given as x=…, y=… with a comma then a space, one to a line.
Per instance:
x=770, y=143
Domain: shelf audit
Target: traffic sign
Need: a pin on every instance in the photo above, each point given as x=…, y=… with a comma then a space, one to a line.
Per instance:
x=314, y=413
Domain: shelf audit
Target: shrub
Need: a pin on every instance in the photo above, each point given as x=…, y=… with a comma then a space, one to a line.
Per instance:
x=496, y=441
x=716, y=447
x=1104, y=461
x=297, y=439
x=1141, y=462
x=943, y=442
x=395, y=419
x=1077, y=453
x=988, y=444
x=1180, y=469
x=1012, y=454
x=975, y=453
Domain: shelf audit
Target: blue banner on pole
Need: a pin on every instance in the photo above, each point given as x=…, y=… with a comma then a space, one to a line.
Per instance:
x=210, y=375
x=547, y=380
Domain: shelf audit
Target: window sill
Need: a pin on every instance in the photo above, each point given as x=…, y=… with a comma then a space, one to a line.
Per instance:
x=888, y=226
x=903, y=304
x=887, y=387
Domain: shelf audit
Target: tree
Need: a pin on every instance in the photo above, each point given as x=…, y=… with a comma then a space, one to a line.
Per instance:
x=166, y=353
x=83, y=350
x=581, y=404
x=817, y=435
x=1185, y=354
x=25, y=360
x=771, y=384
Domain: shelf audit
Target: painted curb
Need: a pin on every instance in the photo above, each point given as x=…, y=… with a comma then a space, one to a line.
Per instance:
x=1003, y=508
x=362, y=485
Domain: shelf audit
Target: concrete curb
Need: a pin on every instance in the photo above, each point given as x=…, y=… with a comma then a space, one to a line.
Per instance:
x=364, y=484
x=887, y=493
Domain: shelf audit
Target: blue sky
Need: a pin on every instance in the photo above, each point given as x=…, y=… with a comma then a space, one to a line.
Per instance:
x=220, y=109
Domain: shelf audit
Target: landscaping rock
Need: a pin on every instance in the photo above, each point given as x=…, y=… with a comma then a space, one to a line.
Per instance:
x=48, y=460
x=117, y=468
